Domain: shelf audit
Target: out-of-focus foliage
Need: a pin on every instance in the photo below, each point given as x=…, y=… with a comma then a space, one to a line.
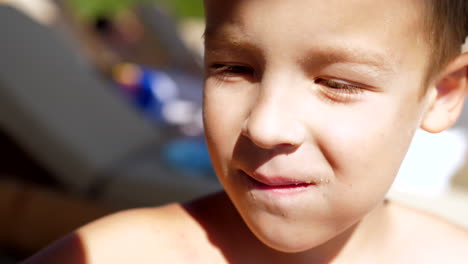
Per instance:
x=184, y=8
x=93, y=8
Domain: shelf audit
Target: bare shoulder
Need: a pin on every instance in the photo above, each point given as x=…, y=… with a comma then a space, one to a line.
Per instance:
x=146, y=235
x=137, y=232
x=427, y=237
x=142, y=223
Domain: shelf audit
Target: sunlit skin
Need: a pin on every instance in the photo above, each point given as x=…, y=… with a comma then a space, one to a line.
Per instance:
x=309, y=108
x=299, y=92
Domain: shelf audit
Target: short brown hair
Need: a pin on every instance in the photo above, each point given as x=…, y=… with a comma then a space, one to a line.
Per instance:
x=448, y=29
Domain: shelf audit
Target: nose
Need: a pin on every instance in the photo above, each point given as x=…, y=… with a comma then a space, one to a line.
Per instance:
x=272, y=123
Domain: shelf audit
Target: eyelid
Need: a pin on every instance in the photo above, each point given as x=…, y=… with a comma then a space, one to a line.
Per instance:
x=354, y=76
x=349, y=93
x=231, y=71
x=226, y=66
x=347, y=82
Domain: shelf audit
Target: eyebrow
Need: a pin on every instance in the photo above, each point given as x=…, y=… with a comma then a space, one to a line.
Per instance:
x=232, y=44
x=225, y=40
x=351, y=54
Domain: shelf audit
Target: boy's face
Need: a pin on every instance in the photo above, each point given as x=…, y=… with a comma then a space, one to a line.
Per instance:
x=310, y=107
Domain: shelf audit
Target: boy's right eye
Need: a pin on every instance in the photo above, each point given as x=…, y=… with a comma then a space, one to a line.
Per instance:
x=227, y=71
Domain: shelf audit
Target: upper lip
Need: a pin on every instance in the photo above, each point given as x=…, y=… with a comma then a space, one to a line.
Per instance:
x=275, y=180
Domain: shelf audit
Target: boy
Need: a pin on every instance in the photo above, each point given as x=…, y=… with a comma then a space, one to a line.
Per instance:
x=309, y=109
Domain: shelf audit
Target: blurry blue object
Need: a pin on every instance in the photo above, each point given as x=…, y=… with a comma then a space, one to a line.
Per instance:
x=144, y=96
x=168, y=97
x=189, y=156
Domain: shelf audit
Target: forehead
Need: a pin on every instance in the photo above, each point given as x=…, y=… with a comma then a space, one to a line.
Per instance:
x=375, y=29
x=385, y=14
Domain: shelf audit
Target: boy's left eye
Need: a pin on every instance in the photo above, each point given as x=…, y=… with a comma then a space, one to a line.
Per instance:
x=341, y=91
x=339, y=85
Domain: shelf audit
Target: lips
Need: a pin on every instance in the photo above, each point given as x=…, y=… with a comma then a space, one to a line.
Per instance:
x=277, y=182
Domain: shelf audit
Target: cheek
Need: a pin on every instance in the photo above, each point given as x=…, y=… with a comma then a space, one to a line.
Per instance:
x=367, y=145
x=223, y=116
x=364, y=147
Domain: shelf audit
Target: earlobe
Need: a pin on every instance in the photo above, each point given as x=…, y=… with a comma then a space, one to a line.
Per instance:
x=435, y=117
x=446, y=103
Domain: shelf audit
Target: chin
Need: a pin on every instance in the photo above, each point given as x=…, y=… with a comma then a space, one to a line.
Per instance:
x=291, y=243
x=288, y=236
x=285, y=247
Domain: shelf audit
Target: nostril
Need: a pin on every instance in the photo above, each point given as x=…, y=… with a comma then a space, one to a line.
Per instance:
x=286, y=147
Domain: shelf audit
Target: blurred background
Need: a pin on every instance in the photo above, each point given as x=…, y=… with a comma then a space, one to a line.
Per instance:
x=100, y=110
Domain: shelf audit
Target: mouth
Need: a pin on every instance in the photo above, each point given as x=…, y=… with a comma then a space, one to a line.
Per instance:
x=262, y=182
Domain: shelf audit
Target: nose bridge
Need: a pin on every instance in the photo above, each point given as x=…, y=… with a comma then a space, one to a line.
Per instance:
x=272, y=121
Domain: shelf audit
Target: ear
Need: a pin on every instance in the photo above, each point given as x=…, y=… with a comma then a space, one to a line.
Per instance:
x=447, y=97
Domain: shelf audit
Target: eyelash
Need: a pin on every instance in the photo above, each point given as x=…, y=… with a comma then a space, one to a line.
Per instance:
x=227, y=71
